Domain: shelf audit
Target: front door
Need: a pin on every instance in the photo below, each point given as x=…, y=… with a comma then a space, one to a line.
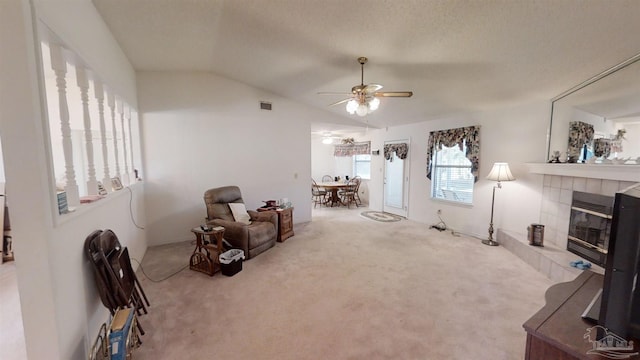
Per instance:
x=396, y=180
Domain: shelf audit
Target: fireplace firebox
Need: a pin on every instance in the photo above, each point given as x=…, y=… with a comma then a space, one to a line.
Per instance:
x=589, y=226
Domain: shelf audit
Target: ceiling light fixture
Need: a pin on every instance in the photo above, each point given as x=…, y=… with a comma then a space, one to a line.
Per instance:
x=327, y=139
x=362, y=106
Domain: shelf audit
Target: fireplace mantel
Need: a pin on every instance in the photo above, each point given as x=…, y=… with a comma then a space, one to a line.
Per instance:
x=593, y=171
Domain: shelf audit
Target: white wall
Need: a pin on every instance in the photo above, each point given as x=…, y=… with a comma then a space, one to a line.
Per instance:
x=630, y=146
x=61, y=308
x=1, y=168
x=515, y=135
x=81, y=27
x=322, y=159
x=203, y=131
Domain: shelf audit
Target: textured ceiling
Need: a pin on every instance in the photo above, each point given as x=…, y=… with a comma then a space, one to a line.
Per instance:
x=456, y=56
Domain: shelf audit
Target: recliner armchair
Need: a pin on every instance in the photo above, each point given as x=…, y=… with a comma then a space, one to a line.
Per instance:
x=254, y=238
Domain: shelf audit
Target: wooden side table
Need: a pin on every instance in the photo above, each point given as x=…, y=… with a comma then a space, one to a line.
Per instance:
x=201, y=258
x=285, y=222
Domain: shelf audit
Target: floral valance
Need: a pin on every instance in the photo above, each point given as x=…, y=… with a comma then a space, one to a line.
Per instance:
x=356, y=148
x=401, y=150
x=466, y=135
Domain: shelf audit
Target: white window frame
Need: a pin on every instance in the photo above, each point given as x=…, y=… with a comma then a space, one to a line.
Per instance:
x=461, y=196
x=355, y=165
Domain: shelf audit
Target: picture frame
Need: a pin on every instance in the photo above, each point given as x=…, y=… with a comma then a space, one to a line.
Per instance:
x=101, y=190
x=116, y=184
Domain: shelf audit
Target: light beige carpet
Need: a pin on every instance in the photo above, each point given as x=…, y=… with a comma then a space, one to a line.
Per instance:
x=345, y=287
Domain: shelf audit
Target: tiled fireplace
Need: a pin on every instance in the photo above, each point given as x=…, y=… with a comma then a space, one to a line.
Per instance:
x=559, y=183
x=556, y=202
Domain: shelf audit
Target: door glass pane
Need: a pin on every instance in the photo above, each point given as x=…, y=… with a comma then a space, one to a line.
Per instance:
x=394, y=180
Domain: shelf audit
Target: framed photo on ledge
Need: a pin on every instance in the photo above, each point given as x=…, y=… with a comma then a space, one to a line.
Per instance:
x=116, y=184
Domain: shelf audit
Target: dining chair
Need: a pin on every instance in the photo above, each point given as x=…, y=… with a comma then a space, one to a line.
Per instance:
x=357, y=190
x=348, y=195
x=327, y=178
x=318, y=194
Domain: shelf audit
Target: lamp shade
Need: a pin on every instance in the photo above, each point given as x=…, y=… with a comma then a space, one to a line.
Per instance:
x=500, y=172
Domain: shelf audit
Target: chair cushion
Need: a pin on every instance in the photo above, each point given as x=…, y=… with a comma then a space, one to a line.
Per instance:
x=239, y=212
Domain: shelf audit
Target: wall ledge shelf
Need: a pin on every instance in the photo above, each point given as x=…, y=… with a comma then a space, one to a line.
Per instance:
x=629, y=172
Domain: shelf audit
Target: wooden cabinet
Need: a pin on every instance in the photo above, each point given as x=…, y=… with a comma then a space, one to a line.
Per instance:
x=285, y=224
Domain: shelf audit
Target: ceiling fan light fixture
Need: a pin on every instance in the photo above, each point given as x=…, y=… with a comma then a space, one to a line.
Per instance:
x=364, y=98
x=352, y=106
x=373, y=104
x=362, y=109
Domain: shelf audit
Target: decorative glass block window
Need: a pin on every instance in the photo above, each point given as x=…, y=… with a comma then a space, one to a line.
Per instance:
x=451, y=177
x=362, y=166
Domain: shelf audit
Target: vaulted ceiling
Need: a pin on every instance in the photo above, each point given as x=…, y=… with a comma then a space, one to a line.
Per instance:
x=456, y=56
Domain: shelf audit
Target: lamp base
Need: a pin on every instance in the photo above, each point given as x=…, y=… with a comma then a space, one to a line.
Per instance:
x=490, y=242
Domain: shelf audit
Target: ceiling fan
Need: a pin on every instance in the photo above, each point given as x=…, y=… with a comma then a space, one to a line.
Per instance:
x=329, y=138
x=363, y=99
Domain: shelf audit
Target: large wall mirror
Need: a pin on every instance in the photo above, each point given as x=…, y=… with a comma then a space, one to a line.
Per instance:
x=599, y=121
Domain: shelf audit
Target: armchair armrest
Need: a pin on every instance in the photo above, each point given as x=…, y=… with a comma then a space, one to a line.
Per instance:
x=265, y=216
x=236, y=233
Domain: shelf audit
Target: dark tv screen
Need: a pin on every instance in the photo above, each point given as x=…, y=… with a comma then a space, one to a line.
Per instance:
x=620, y=302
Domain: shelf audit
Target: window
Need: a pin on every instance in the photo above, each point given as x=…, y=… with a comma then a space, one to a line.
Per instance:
x=452, y=179
x=362, y=166
x=453, y=159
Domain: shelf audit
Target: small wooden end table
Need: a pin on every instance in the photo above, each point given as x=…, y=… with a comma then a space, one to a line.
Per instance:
x=285, y=221
x=201, y=258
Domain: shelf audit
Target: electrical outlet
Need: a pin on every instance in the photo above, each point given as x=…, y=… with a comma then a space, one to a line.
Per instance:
x=439, y=211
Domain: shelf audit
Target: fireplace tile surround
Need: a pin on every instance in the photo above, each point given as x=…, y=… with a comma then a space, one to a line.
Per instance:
x=557, y=194
x=559, y=182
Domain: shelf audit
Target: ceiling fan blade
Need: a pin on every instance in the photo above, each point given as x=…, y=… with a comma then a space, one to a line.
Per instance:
x=333, y=93
x=340, y=102
x=364, y=92
x=371, y=88
x=393, y=94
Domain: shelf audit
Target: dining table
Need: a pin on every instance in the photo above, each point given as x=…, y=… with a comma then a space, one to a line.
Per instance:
x=334, y=187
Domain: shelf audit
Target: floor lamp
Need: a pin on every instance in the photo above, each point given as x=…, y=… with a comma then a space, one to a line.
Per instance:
x=499, y=172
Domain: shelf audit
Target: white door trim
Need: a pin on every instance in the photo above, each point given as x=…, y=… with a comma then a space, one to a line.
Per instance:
x=405, y=183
